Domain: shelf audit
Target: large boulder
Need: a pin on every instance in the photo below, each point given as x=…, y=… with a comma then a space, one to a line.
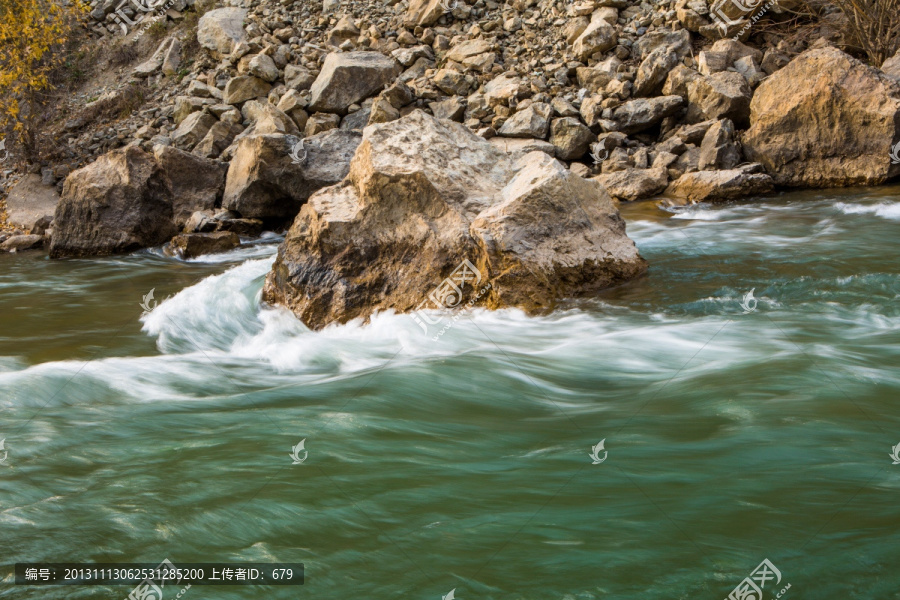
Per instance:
x=118, y=203
x=634, y=184
x=724, y=95
x=825, y=120
x=220, y=29
x=637, y=115
x=193, y=183
x=430, y=211
x=272, y=175
x=349, y=77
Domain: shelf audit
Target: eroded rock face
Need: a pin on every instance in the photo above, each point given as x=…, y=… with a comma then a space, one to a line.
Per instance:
x=272, y=175
x=825, y=120
x=118, y=203
x=193, y=183
x=424, y=195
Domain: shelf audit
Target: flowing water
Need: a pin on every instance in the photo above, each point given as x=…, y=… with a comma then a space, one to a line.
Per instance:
x=464, y=463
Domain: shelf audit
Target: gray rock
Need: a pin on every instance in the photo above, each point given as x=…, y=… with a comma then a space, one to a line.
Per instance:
x=733, y=184
x=451, y=108
x=530, y=122
x=644, y=113
x=220, y=29
x=193, y=183
x=350, y=77
x=718, y=150
x=17, y=243
x=570, y=137
x=193, y=129
x=720, y=96
x=653, y=71
x=271, y=176
x=263, y=66
x=298, y=77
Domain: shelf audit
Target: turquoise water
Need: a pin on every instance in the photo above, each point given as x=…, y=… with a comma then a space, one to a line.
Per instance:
x=464, y=463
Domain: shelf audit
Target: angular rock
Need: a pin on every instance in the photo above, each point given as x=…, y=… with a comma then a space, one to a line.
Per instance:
x=403, y=221
x=219, y=137
x=350, y=77
x=530, y=122
x=521, y=146
x=644, y=113
x=720, y=96
x=192, y=245
x=423, y=12
x=891, y=67
x=272, y=175
x=733, y=184
x=634, y=184
x=221, y=29
x=118, y=203
x=298, y=77
x=501, y=89
x=320, y=123
x=193, y=183
x=451, y=108
x=718, y=150
x=193, y=129
x=599, y=36
x=653, y=71
x=245, y=87
x=571, y=138
x=678, y=80
x=266, y=118
x=263, y=66
x=825, y=120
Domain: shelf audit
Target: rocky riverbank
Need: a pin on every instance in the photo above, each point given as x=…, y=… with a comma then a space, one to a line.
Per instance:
x=399, y=140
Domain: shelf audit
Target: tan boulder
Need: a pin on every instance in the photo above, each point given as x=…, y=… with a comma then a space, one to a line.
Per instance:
x=427, y=206
x=731, y=184
x=825, y=120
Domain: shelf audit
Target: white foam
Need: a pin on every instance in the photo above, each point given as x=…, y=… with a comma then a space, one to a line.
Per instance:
x=886, y=210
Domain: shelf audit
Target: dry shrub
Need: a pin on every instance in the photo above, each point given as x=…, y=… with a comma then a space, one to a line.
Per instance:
x=875, y=24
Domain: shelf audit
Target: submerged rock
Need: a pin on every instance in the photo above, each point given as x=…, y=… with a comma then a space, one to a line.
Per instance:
x=422, y=197
x=192, y=245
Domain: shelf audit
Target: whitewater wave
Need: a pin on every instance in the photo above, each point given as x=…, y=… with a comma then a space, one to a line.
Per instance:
x=886, y=210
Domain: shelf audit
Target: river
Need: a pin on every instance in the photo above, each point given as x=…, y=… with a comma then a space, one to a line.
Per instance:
x=735, y=428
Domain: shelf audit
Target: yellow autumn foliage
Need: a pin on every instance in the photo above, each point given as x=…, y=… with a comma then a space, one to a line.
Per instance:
x=32, y=38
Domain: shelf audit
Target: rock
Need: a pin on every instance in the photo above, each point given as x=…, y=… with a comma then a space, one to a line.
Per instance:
x=266, y=118
x=599, y=36
x=193, y=183
x=193, y=129
x=473, y=54
x=422, y=197
x=451, y=108
x=245, y=87
x=298, y=77
x=891, y=67
x=184, y=106
x=345, y=30
x=220, y=29
x=172, y=59
x=634, y=184
x=774, y=60
x=263, y=66
x=709, y=62
x=118, y=203
x=530, y=122
x=677, y=42
x=292, y=104
x=423, y=12
x=570, y=137
x=320, y=123
x=245, y=227
x=17, y=243
x=522, y=146
x=452, y=82
x=825, y=120
x=154, y=63
x=357, y=120
x=501, y=89
x=735, y=50
x=200, y=221
x=192, y=245
x=678, y=80
x=271, y=176
x=733, y=184
x=595, y=78
x=720, y=96
x=718, y=150
x=644, y=113
x=350, y=77
x=29, y=200
x=750, y=69
x=219, y=137
x=653, y=71
x=399, y=95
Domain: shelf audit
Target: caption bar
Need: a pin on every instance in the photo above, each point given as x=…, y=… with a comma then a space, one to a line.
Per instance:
x=237, y=573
